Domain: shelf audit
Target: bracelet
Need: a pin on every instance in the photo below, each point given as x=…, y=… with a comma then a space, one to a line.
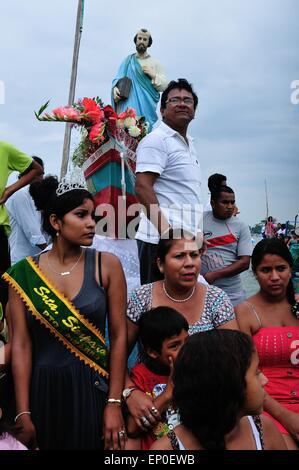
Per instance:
x=114, y=400
x=22, y=413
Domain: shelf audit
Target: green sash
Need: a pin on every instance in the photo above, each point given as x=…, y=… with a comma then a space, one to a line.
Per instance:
x=54, y=311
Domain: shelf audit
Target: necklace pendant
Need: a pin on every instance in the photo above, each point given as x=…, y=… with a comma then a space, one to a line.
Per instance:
x=65, y=273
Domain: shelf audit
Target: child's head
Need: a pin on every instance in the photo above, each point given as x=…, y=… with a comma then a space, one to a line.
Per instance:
x=162, y=332
x=216, y=382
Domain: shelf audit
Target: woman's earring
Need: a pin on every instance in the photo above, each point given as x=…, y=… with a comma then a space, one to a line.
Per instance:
x=57, y=234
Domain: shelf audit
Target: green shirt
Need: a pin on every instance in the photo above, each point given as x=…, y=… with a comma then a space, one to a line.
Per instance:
x=11, y=159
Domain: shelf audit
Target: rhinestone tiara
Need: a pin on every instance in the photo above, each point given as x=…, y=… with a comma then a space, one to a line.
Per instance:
x=74, y=179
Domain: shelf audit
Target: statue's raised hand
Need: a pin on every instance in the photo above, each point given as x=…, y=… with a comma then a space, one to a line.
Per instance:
x=150, y=71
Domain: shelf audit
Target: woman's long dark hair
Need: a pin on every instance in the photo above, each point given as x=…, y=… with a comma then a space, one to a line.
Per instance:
x=209, y=383
x=275, y=246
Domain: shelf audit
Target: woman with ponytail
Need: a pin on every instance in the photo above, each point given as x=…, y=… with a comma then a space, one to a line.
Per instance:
x=271, y=317
x=219, y=391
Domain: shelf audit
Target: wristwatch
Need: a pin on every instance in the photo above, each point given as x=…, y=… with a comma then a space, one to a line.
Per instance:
x=127, y=392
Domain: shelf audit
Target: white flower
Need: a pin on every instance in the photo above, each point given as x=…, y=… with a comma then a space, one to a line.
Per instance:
x=120, y=123
x=129, y=122
x=134, y=131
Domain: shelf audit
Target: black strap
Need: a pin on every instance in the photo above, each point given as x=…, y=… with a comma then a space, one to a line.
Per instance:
x=100, y=268
x=173, y=440
x=258, y=422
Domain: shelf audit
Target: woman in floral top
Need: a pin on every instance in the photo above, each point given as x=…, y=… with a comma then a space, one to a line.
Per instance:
x=204, y=307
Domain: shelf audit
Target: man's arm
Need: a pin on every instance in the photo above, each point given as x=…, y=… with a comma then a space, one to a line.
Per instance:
x=36, y=170
x=144, y=189
x=242, y=264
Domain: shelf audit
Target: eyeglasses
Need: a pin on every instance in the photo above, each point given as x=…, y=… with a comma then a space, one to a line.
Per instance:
x=177, y=100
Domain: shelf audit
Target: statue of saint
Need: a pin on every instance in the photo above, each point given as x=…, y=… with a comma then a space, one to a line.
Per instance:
x=147, y=80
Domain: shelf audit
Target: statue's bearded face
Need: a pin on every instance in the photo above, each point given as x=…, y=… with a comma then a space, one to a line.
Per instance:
x=142, y=41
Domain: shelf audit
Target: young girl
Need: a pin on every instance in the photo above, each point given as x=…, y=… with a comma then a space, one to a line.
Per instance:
x=271, y=317
x=217, y=387
x=59, y=301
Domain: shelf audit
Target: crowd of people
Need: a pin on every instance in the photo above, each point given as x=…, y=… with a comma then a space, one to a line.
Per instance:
x=214, y=370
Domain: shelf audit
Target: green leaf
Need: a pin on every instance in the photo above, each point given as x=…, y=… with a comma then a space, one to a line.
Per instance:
x=41, y=110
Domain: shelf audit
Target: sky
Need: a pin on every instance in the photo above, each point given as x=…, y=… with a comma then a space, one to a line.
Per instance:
x=241, y=57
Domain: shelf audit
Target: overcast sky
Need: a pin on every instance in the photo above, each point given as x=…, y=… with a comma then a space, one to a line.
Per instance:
x=241, y=58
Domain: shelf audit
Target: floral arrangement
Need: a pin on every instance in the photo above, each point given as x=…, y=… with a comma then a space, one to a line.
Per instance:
x=98, y=123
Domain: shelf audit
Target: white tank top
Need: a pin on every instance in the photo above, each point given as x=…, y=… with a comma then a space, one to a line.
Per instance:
x=255, y=433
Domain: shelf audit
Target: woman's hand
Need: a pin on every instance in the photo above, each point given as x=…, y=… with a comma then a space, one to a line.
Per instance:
x=142, y=410
x=115, y=435
x=169, y=385
x=25, y=432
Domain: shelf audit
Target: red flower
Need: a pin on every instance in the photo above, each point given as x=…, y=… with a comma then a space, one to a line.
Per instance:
x=92, y=111
x=111, y=125
x=109, y=112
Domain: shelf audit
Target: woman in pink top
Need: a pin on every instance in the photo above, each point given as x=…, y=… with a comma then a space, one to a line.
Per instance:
x=272, y=318
x=270, y=228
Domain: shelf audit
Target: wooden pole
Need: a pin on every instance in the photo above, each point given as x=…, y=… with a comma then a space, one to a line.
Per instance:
x=67, y=132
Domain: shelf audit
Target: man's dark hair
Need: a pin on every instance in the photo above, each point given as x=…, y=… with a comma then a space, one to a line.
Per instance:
x=143, y=30
x=216, y=192
x=38, y=160
x=180, y=84
x=159, y=324
x=216, y=180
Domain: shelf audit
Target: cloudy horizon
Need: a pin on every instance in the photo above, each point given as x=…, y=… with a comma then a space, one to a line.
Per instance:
x=242, y=59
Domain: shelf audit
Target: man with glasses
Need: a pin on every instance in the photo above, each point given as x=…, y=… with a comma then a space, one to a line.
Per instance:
x=168, y=175
x=147, y=80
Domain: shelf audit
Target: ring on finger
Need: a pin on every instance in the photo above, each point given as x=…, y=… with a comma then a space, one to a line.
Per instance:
x=154, y=410
x=145, y=421
x=122, y=433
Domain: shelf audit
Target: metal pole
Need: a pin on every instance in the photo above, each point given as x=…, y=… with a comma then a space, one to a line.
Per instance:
x=67, y=132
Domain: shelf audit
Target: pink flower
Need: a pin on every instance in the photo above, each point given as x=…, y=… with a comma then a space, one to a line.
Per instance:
x=122, y=115
x=128, y=113
x=96, y=132
x=66, y=113
x=131, y=112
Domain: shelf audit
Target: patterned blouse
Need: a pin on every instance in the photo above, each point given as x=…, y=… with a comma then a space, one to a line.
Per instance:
x=217, y=311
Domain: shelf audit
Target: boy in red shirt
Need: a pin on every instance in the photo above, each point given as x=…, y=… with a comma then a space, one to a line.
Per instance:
x=162, y=332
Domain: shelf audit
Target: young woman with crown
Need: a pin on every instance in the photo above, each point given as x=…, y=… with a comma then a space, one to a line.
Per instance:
x=60, y=301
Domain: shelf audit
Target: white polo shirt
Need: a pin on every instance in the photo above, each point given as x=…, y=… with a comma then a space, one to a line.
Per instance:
x=178, y=187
